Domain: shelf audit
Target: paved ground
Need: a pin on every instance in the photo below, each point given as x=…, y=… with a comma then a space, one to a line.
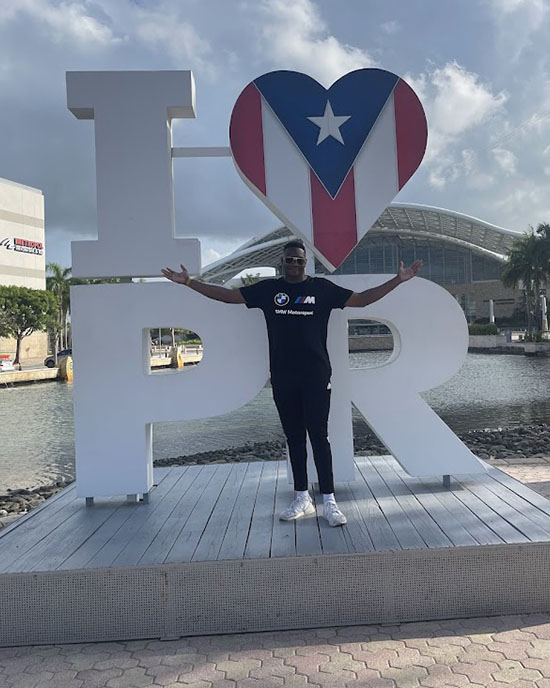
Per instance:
x=504, y=652
x=532, y=471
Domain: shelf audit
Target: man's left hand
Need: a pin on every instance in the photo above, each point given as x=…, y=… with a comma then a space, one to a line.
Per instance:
x=405, y=274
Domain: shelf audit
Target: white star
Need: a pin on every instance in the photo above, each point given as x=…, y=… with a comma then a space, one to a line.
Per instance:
x=329, y=124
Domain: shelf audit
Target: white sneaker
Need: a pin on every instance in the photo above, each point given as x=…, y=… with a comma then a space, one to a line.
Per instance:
x=333, y=515
x=297, y=509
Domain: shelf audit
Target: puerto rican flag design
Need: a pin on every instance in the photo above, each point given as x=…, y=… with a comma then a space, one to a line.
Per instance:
x=327, y=162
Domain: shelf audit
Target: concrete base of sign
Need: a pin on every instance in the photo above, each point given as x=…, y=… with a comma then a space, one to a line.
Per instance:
x=209, y=555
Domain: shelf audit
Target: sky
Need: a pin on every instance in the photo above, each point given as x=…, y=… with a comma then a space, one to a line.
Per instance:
x=480, y=67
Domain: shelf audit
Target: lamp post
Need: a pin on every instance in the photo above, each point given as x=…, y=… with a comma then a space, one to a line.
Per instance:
x=544, y=313
x=491, y=311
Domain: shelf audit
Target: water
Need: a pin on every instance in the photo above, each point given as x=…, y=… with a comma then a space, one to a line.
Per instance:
x=36, y=421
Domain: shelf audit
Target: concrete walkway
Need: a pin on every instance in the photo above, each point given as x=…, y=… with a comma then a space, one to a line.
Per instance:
x=504, y=652
x=531, y=471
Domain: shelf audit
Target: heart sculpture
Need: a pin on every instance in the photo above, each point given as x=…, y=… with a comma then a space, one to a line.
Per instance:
x=328, y=162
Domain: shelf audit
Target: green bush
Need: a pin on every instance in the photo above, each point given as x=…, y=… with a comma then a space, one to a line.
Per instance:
x=489, y=328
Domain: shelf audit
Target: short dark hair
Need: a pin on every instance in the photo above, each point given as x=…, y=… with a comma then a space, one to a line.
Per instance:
x=295, y=243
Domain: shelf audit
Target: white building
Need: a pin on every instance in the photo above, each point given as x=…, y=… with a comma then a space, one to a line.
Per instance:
x=22, y=254
x=462, y=253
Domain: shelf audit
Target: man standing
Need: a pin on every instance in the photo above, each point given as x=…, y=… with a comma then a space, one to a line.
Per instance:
x=297, y=308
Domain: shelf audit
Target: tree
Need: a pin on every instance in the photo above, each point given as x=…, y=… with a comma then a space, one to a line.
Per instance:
x=249, y=279
x=59, y=283
x=528, y=265
x=24, y=311
x=543, y=231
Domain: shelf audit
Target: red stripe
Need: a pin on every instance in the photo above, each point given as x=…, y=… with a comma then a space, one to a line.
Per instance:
x=246, y=136
x=334, y=222
x=411, y=131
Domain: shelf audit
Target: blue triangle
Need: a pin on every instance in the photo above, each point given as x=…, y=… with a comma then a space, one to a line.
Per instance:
x=294, y=97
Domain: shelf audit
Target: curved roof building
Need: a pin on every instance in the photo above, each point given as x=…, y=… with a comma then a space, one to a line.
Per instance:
x=458, y=251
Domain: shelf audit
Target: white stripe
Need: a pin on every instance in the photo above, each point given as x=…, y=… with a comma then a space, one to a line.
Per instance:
x=286, y=177
x=376, y=178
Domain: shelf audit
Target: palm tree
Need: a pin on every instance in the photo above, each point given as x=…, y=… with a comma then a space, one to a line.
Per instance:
x=59, y=282
x=543, y=231
x=528, y=266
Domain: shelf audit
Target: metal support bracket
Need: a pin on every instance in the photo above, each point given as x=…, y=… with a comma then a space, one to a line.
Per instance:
x=204, y=152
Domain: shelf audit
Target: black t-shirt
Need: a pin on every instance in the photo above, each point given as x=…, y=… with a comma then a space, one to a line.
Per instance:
x=296, y=315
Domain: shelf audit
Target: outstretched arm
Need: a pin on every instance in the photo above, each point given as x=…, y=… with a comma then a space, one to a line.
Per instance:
x=212, y=291
x=364, y=298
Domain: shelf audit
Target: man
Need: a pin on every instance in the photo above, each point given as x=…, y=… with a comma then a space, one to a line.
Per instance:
x=297, y=309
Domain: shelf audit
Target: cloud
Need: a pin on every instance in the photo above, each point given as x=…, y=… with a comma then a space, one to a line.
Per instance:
x=390, y=27
x=506, y=160
x=210, y=256
x=524, y=203
x=481, y=137
x=456, y=103
x=546, y=158
x=294, y=36
x=461, y=101
x=517, y=21
x=533, y=11
x=165, y=29
x=82, y=22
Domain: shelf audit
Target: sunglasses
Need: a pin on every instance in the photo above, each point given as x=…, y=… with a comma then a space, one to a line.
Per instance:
x=293, y=260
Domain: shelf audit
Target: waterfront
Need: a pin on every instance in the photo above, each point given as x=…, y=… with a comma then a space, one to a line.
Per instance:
x=36, y=421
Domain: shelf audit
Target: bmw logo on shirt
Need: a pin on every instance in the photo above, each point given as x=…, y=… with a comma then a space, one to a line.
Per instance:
x=281, y=299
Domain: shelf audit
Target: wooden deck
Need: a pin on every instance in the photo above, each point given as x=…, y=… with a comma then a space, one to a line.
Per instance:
x=208, y=554
x=229, y=512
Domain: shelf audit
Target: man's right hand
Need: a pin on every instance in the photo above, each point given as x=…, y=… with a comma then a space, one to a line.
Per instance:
x=179, y=277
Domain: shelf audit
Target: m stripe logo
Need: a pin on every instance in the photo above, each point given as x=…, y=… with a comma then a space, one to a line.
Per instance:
x=305, y=299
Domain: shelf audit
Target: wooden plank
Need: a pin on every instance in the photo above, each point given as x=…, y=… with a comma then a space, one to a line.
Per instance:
x=188, y=538
x=516, y=520
x=333, y=540
x=47, y=518
x=258, y=545
x=84, y=546
x=61, y=543
x=355, y=533
x=519, y=488
x=130, y=529
x=131, y=553
x=400, y=523
x=539, y=531
x=283, y=536
x=54, y=502
x=34, y=531
x=491, y=517
x=447, y=521
x=479, y=530
x=212, y=537
x=83, y=554
x=238, y=528
x=428, y=529
x=378, y=528
x=308, y=540
x=80, y=557
x=198, y=477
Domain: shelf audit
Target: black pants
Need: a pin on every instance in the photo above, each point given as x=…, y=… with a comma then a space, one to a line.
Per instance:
x=303, y=405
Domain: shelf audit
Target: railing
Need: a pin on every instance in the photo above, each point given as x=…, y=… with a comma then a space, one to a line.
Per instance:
x=192, y=350
x=165, y=351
